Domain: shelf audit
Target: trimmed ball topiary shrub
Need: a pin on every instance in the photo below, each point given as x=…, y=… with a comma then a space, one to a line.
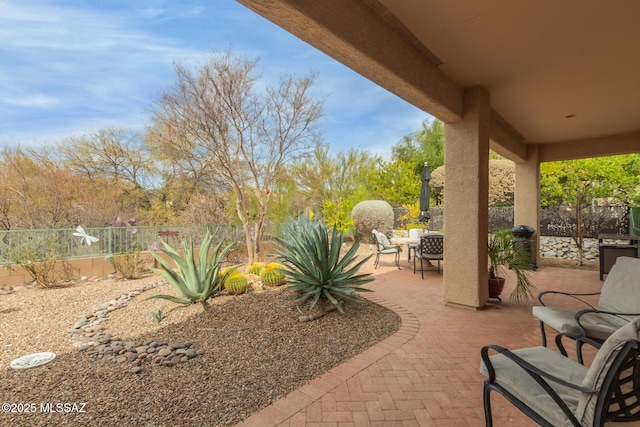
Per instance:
x=372, y=215
x=502, y=175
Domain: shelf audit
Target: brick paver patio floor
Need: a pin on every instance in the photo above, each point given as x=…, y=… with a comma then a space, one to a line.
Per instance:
x=427, y=373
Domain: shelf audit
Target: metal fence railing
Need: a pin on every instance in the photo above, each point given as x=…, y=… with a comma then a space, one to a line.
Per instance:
x=557, y=221
x=111, y=240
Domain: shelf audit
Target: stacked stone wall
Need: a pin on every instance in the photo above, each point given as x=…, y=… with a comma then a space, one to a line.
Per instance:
x=565, y=247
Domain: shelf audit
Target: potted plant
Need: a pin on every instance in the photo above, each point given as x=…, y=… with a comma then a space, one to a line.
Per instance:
x=503, y=253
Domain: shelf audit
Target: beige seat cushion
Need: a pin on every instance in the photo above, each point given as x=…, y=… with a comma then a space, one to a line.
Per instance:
x=620, y=293
x=524, y=387
x=621, y=290
x=600, y=367
x=564, y=321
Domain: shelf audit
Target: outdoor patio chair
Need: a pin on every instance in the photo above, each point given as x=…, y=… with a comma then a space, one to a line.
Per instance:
x=431, y=249
x=414, y=233
x=383, y=246
x=619, y=302
x=554, y=390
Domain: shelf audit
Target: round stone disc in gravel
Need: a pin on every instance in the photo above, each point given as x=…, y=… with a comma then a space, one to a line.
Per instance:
x=33, y=360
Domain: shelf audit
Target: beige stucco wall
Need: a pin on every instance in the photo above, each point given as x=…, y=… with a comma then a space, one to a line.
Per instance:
x=69, y=269
x=466, y=211
x=527, y=197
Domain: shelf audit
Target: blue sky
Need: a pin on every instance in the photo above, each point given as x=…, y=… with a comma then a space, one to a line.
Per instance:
x=71, y=67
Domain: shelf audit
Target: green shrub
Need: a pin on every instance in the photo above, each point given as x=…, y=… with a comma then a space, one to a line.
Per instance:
x=39, y=258
x=272, y=274
x=313, y=264
x=195, y=280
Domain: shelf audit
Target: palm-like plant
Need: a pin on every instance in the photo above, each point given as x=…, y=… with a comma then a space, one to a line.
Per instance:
x=313, y=264
x=195, y=280
x=503, y=253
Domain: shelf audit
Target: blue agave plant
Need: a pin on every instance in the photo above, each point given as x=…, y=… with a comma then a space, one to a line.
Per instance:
x=313, y=264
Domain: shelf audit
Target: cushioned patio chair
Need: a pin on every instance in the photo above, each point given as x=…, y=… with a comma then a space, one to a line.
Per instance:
x=414, y=233
x=555, y=391
x=383, y=246
x=619, y=302
x=431, y=249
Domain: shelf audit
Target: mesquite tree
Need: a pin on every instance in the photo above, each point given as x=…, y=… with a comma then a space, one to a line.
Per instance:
x=237, y=131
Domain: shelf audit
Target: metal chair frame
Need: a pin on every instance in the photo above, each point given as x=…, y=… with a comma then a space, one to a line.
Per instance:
x=385, y=250
x=583, y=337
x=614, y=403
x=431, y=249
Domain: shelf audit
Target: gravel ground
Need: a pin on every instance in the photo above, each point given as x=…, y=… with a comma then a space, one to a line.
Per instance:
x=255, y=352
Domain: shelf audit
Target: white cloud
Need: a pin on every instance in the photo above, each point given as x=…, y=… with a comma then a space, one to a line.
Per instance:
x=69, y=69
x=33, y=101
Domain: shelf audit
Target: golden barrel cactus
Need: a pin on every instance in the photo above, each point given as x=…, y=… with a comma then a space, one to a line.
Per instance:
x=255, y=268
x=272, y=274
x=236, y=283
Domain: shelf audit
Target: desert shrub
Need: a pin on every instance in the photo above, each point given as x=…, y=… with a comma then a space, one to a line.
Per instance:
x=372, y=215
x=313, y=264
x=39, y=258
x=126, y=265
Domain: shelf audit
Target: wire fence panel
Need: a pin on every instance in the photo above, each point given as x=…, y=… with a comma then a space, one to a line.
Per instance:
x=557, y=221
x=111, y=240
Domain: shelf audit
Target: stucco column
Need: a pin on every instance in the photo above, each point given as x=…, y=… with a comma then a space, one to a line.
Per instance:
x=466, y=157
x=527, y=197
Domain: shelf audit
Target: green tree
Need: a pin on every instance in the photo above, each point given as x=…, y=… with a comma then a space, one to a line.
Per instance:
x=574, y=185
x=338, y=215
x=323, y=177
x=395, y=182
x=425, y=145
x=564, y=182
x=334, y=183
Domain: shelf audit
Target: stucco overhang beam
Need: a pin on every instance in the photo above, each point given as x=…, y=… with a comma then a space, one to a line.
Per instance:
x=359, y=37
x=596, y=147
x=505, y=140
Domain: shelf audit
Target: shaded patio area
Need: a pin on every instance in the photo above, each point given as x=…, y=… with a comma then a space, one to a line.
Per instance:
x=427, y=373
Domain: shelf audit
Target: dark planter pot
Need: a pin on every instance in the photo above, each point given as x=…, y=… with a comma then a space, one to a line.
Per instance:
x=496, y=286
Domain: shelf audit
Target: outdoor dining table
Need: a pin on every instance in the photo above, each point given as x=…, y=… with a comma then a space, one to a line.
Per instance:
x=410, y=242
x=413, y=244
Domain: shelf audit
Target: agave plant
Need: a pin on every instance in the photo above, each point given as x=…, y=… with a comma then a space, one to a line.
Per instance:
x=195, y=280
x=313, y=264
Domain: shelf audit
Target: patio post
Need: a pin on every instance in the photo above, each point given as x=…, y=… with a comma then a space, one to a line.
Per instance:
x=527, y=197
x=466, y=203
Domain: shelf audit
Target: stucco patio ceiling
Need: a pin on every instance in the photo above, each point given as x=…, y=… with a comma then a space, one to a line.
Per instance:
x=559, y=73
